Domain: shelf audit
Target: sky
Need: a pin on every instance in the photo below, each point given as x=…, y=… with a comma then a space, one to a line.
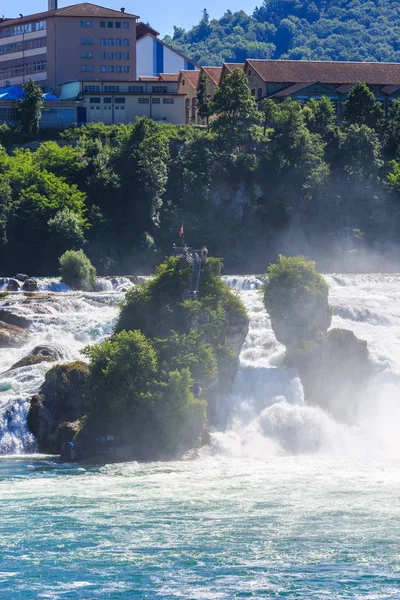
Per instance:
x=162, y=15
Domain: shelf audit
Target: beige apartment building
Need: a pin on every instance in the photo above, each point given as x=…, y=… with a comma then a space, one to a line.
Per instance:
x=71, y=43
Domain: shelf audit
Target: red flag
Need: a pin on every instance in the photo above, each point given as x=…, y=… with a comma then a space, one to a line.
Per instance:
x=181, y=231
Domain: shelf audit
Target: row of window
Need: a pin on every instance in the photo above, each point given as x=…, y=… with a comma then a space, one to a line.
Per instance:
x=109, y=24
x=23, y=46
x=132, y=89
x=88, y=41
x=25, y=28
x=105, y=69
x=107, y=101
x=156, y=100
x=23, y=69
x=140, y=100
x=105, y=55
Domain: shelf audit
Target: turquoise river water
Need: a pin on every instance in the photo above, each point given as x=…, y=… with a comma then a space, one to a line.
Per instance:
x=284, y=503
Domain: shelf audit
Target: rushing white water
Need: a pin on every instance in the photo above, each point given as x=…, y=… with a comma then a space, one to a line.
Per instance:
x=62, y=319
x=266, y=413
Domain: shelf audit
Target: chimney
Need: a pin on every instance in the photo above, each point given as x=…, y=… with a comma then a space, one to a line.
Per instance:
x=53, y=4
x=122, y=10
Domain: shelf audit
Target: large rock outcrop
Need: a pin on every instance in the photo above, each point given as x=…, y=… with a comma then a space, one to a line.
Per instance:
x=333, y=366
x=56, y=411
x=39, y=354
x=334, y=371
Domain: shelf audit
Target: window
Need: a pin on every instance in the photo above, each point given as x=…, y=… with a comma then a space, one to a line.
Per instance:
x=102, y=41
x=118, y=24
x=118, y=69
x=110, y=68
x=86, y=54
x=102, y=24
x=119, y=100
x=126, y=42
x=94, y=101
x=110, y=56
x=86, y=23
x=143, y=101
x=168, y=100
x=259, y=93
x=253, y=92
x=135, y=89
x=92, y=88
x=102, y=69
x=118, y=55
x=111, y=88
x=110, y=42
x=156, y=101
x=126, y=55
x=20, y=47
x=249, y=72
x=86, y=41
x=118, y=42
x=20, y=29
x=126, y=24
x=103, y=55
x=110, y=24
x=87, y=68
x=107, y=100
x=159, y=89
x=126, y=69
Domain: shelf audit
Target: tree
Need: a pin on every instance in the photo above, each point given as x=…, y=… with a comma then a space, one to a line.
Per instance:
x=67, y=232
x=77, y=271
x=320, y=116
x=361, y=108
x=361, y=153
x=236, y=110
x=268, y=109
x=30, y=107
x=203, y=100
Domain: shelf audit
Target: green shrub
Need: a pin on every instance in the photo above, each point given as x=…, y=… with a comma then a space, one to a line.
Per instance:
x=77, y=271
x=296, y=298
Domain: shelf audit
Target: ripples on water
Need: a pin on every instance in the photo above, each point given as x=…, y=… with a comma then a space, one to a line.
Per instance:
x=284, y=503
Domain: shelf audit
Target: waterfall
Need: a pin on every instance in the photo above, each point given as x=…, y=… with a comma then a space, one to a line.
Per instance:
x=266, y=413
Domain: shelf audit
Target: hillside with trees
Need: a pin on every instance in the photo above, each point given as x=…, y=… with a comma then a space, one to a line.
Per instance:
x=257, y=183
x=357, y=30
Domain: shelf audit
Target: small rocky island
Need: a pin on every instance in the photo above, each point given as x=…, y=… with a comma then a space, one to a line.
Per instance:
x=333, y=365
x=155, y=385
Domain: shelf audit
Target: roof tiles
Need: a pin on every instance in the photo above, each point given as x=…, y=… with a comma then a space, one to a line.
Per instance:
x=292, y=71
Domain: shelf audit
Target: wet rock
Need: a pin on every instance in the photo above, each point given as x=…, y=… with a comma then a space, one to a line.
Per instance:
x=39, y=354
x=334, y=372
x=8, y=317
x=21, y=277
x=11, y=335
x=13, y=285
x=30, y=285
x=60, y=401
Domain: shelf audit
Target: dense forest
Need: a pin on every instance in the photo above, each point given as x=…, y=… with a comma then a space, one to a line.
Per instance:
x=283, y=179
x=359, y=30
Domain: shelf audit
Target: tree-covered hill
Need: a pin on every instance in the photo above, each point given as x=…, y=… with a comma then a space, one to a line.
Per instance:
x=359, y=30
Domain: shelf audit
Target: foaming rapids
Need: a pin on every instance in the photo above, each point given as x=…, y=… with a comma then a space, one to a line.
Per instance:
x=268, y=414
x=62, y=320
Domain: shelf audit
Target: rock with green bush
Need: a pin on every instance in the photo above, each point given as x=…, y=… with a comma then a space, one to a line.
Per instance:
x=77, y=271
x=156, y=383
x=334, y=365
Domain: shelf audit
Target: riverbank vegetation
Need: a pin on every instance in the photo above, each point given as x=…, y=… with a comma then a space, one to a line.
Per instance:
x=284, y=179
